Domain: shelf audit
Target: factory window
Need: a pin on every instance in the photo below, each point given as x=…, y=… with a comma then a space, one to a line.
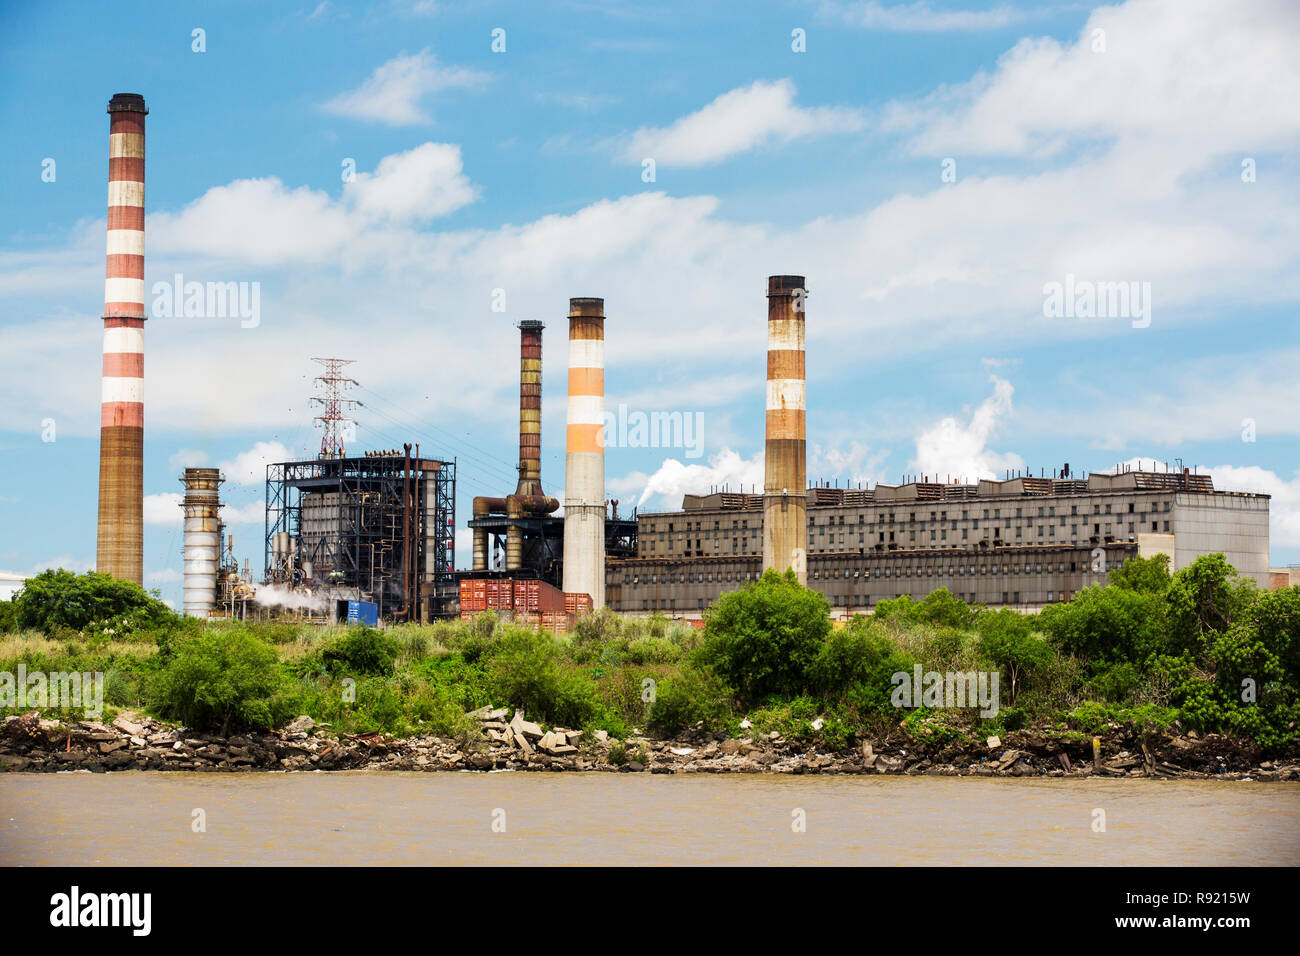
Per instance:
x=911, y=516
x=964, y=534
x=1038, y=569
x=997, y=534
x=1166, y=525
x=886, y=572
x=986, y=512
x=645, y=604
x=1096, y=509
x=964, y=516
x=1051, y=531
x=1096, y=529
x=891, y=534
x=1074, y=509
x=943, y=516
x=1051, y=512
x=976, y=524
x=1061, y=566
x=860, y=541
x=1108, y=509
x=701, y=604
x=1074, y=530
x=931, y=515
x=912, y=535
x=1049, y=595
x=931, y=535
x=1153, y=525
x=1004, y=597
x=1015, y=597
x=943, y=535
x=1130, y=527
x=1166, y=506
x=1130, y=507
x=997, y=512
x=1108, y=527
x=1018, y=512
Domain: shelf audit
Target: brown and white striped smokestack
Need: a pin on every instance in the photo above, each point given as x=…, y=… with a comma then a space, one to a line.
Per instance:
x=785, y=474
x=584, y=460
x=120, y=549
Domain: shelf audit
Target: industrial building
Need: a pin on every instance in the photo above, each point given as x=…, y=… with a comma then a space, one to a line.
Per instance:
x=1023, y=542
x=379, y=527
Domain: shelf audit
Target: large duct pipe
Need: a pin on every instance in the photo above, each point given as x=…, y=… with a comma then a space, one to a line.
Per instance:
x=584, y=459
x=785, y=476
x=201, y=506
x=120, y=547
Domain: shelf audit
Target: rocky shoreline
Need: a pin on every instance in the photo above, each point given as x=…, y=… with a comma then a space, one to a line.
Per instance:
x=32, y=744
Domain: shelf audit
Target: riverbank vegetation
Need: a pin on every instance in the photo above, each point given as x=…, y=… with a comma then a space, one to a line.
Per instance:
x=1203, y=649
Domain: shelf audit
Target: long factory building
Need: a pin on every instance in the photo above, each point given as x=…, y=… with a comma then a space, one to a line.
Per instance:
x=1023, y=542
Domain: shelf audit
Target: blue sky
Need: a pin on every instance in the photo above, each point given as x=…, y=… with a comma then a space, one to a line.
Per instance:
x=1103, y=143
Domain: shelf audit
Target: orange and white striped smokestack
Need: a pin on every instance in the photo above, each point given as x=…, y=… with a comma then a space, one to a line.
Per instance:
x=584, y=458
x=120, y=548
x=785, y=473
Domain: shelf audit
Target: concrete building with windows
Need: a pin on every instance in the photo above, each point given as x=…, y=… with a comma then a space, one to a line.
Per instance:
x=1024, y=542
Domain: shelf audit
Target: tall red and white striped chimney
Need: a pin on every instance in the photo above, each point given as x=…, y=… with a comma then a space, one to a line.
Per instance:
x=120, y=548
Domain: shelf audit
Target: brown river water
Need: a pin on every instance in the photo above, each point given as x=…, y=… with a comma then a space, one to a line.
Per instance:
x=360, y=818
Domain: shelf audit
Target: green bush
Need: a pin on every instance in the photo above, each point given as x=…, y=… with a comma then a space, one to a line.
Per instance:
x=763, y=638
x=686, y=699
x=1010, y=645
x=1104, y=625
x=222, y=680
x=361, y=650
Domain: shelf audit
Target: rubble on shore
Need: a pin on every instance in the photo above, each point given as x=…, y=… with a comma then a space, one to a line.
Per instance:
x=130, y=741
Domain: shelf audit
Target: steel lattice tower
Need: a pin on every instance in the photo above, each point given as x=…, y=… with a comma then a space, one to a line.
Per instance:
x=333, y=384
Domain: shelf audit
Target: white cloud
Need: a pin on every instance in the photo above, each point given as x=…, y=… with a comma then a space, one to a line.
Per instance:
x=920, y=17
x=737, y=121
x=418, y=185
x=249, y=467
x=951, y=450
x=674, y=479
x=395, y=92
x=163, y=508
x=1174, y=73
x=855, y=462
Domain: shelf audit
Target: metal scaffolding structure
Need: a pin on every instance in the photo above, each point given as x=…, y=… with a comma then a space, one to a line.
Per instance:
x=382, y=524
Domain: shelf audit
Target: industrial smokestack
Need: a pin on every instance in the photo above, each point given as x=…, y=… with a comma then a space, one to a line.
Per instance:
x=202, y=539
x=584, y=460
x=120, y=548
x=528, y=498
x=785, y=481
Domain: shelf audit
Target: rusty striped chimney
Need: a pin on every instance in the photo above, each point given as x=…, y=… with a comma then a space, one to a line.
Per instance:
x=120, y=547
x=528, y=499
x=785, y=477
x=584, y=459
x=201, y=506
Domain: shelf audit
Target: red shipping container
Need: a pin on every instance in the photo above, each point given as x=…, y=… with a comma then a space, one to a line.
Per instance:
x=577, y=602
x=538, y=597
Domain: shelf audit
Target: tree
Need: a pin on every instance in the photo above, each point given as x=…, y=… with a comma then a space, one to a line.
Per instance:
x=1205, y=598
x=1006, y=640
x=1108, y=625
x=764, y=638
x=1276, y=617
x=55, y=599
x=1148, y=575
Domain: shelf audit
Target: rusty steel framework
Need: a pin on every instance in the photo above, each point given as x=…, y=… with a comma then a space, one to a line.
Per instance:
x=383, y=524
